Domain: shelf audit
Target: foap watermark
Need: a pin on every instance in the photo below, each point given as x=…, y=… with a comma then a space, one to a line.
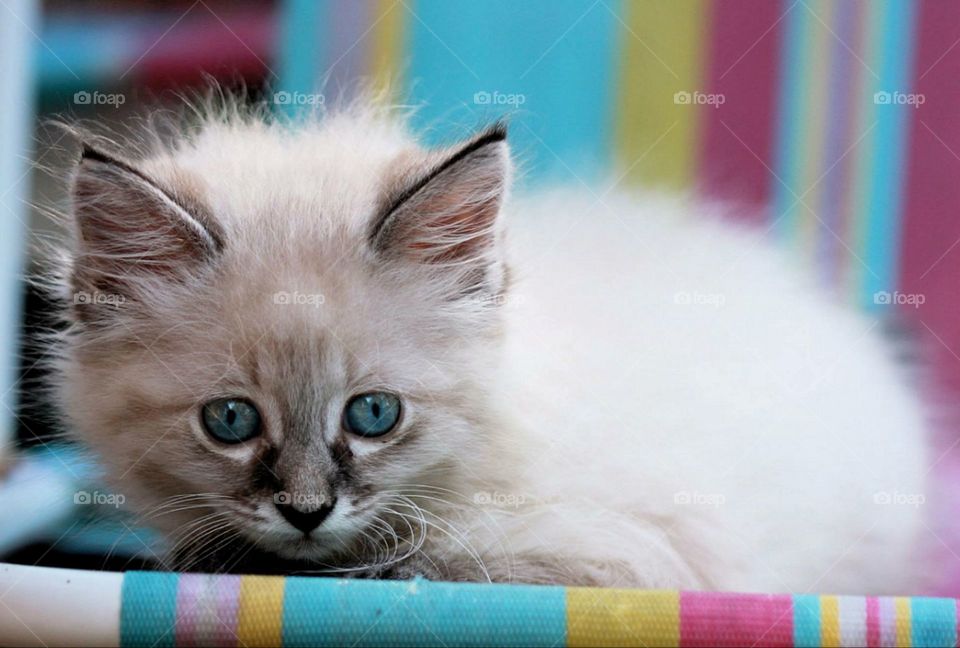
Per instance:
x=285, y=98
x=297, y=298
x=500, y=299
x=695, y=298
x=97, y=98
x=884, y=98
x=697, y=98
x=96, y=498
x=500, y=500
x=307, y=501
x=897, y=298
x=98, y=298
x=696, y=498
x=497, y=98
x=887, y=498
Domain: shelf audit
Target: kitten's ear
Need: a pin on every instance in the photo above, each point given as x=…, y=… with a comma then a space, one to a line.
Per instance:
x=448, y=215
x=130, y=228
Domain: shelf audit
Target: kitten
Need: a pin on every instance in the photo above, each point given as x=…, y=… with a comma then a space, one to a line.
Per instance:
x=319, y=348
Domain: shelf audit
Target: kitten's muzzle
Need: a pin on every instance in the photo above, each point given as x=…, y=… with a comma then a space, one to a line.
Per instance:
x=306, y=521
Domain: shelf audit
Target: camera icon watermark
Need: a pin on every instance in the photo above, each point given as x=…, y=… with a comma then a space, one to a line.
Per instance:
x=696, y=298
x=96, y=498
x=696, y=498
x=499, y=299
x=884, y=98
x=307, y=501
x=889, y=498
x=297, y=298
x=697, y=98
x=285, y=98
x=500, y=500
x=97, y=98
x=97, y=298
x=897, y=298
x=497, y=98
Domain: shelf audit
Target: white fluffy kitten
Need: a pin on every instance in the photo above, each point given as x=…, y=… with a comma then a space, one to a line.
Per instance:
x=324, y=347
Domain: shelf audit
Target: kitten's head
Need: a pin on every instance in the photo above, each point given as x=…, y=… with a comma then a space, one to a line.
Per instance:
x=276, y=332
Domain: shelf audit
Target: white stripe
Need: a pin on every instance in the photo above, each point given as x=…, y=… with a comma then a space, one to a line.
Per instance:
x=43, y=606
x=853, y=621
x=888, y=622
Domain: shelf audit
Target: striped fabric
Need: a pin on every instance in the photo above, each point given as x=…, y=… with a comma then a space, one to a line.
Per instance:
x=162, y=609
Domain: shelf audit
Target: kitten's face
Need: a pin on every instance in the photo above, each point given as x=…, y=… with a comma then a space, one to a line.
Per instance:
x=276, y=338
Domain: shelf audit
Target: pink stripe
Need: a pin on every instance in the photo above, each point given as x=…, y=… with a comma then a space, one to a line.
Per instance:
x=747, y=77
x=207, y=610
x=240, y=40
x=189, y=592
x=708, y=619
x=873, y=622
x=227, y=592
x=929, y=266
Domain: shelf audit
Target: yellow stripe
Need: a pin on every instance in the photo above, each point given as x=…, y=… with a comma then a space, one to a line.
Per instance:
x=901, y=606
x=260, y=617
x=817, y=78
x=662, y=54
x=610, y=617
x=830, y=621
x=386, y=38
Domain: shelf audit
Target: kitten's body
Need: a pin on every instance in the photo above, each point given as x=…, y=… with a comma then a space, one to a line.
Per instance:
x=697, y=411
x=655, y=400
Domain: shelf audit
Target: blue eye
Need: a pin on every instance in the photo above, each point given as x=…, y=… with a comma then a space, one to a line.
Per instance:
x=373, y=414
x=231, y=420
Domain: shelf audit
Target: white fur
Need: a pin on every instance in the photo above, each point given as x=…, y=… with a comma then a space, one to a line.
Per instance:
x=661, y=400
x=779, y=415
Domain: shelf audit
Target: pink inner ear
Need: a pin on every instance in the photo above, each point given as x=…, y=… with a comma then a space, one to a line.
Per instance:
x=449, y=215
x=129, y=228
x=450, y=228
x=133, y=233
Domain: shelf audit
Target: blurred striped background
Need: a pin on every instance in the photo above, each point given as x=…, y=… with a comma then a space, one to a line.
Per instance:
x=835, y=123
x=840, y=117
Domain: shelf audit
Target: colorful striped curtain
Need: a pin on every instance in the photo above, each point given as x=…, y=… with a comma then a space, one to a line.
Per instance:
x=840, y=116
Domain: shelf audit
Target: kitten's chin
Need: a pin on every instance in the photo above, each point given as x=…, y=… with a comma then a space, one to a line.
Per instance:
x=295, y=546
x=304, y=549
x=335, y=541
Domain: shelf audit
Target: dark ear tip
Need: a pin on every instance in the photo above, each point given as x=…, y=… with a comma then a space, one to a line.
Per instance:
x=496, y=132
x=88, y=152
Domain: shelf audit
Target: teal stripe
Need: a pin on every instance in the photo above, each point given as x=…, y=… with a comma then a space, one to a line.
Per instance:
x=933, y=622
x=883, y=206
x=148, y=609
x=791, y=133
x=806, y=620
x=304, y=29
x=320, y=612
x=550, y=63
x=98, y=54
